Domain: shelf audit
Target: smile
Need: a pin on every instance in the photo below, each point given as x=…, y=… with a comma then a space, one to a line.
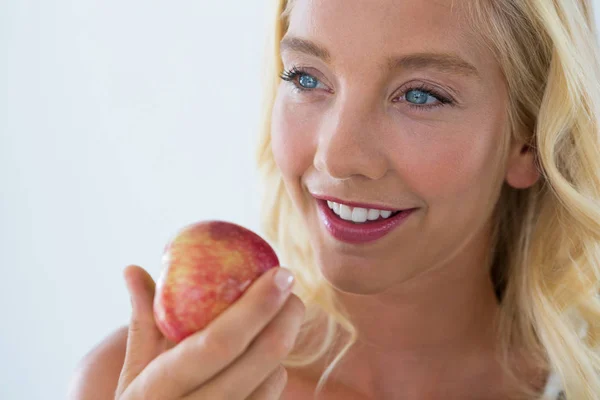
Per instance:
x=357, y=224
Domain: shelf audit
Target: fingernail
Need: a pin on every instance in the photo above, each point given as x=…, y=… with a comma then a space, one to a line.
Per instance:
x=283, y=279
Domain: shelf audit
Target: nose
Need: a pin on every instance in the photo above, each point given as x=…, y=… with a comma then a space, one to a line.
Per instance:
x=349, y=144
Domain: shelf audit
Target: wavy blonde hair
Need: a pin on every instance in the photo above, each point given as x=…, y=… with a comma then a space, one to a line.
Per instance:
x=546, y=254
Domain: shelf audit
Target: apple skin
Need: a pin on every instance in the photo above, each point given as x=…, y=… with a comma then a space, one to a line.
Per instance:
x=206, y=268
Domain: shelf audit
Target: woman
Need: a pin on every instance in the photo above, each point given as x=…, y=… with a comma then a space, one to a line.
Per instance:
x=432, y=176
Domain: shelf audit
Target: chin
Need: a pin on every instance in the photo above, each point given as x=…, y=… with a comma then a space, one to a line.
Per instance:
x=356, y=276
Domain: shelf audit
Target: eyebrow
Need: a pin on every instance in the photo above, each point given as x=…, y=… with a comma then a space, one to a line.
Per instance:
x=443, y=62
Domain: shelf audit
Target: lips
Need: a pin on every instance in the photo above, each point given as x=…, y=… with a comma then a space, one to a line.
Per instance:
x=356, y=233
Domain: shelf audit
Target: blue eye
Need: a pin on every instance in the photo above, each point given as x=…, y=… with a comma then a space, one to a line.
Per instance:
x=422, y=98
x=417, y=96
x=308, y=81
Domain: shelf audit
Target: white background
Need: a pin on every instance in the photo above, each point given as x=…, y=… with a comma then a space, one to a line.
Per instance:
x=120, y=122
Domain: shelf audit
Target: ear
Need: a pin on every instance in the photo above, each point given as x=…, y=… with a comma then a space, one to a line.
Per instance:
x=522, y=169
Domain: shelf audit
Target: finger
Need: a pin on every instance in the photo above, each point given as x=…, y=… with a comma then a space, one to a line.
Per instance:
x=263, y=356
x=202, y=355
x=272, y=388
x=144, y=340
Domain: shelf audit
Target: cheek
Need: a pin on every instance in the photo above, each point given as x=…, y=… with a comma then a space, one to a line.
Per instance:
x=453, y=165
x=291, y=142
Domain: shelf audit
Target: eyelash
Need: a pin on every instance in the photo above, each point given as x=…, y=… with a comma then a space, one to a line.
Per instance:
x=291, y=74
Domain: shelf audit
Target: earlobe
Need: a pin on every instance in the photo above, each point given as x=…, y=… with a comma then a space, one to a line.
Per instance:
x=522, y=169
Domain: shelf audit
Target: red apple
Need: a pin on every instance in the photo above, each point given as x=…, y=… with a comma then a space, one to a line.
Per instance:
x=206, y=267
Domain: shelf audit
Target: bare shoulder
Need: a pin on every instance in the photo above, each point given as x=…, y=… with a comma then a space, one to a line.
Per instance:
x=97, y=374
x=301, y=386
x=295, y=388
x=298, y=387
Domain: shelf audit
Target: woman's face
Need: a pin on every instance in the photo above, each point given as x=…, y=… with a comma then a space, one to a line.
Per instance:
x=401, y=110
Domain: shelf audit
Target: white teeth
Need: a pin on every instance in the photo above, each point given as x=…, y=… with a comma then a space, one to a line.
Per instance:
x=336, y=208
x=345, y=212
x=372, y=215
x=357, y=214
x=385, y=214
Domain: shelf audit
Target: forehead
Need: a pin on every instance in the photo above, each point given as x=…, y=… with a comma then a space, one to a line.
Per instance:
x=372, y=31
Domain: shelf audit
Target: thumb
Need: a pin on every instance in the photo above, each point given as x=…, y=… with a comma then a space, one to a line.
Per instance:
x=144, y=340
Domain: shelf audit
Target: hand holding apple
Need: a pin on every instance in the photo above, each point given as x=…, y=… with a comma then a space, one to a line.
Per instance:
x=239, y=354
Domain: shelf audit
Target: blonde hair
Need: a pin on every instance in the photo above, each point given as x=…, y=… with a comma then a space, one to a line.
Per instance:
x=546, y=253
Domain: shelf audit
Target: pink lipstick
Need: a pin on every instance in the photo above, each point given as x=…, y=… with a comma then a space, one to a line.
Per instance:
x=356, y=233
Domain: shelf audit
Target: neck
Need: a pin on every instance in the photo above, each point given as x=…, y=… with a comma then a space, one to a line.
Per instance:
x=437, y=325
